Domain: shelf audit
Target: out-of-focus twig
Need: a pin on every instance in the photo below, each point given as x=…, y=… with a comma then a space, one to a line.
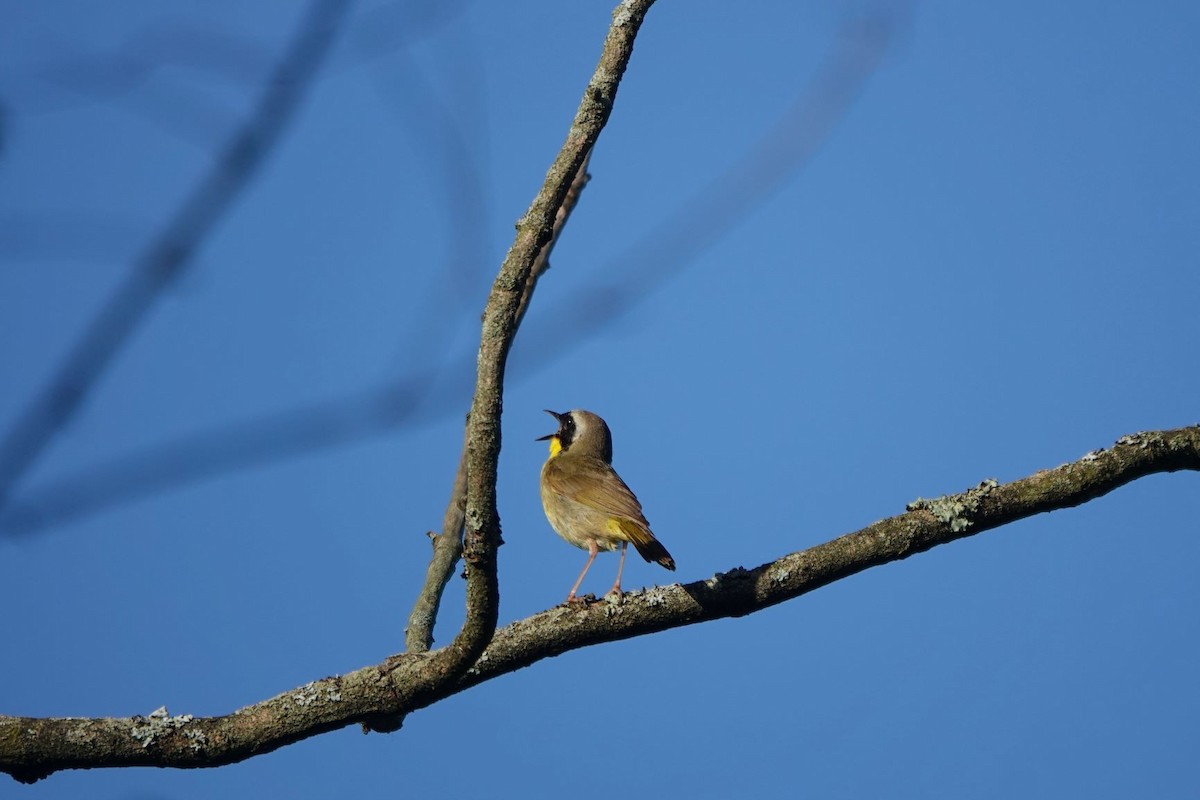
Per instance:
x=213, y=51
x=457, y=180
x=447, y=545
x=264, y=438
x=173, y=250
x=746, y=185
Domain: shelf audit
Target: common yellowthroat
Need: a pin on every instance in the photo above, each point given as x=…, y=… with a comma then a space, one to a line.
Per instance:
x=585, y=500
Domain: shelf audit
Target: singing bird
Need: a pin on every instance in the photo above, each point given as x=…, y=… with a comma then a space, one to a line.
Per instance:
x=585, y=500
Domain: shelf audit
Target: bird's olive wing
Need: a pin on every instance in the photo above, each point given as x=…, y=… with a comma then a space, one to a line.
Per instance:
x=592, y=482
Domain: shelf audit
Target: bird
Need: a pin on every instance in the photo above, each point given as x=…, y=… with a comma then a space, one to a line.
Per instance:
x=586, y=502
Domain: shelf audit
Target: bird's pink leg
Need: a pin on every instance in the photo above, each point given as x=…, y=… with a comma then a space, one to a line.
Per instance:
x=592, y=551
x=616, y=588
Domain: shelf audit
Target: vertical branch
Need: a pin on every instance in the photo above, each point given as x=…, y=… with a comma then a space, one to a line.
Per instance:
x=447, y=545
x=173, y=250
x=501, y=318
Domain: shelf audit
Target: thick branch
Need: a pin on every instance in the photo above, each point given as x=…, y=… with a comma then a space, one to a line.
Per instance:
x=33, y=748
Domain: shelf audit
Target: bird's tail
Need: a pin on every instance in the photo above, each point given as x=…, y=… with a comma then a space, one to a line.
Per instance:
x=647, y=546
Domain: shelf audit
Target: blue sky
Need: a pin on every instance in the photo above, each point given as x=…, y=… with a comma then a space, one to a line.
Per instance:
x=987, y=269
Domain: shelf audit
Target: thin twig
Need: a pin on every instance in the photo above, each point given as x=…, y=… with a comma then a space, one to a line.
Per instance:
x=32, y=748
x=447, y=549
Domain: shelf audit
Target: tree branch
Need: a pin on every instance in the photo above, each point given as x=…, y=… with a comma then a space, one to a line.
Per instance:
x=33, y=748
x=447, y=545
x=447, y=549
x=501, y=317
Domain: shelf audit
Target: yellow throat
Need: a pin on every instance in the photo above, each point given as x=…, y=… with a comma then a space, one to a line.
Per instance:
x=555, y=445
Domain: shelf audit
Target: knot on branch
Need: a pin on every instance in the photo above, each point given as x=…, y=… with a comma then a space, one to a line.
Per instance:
x=383, y=723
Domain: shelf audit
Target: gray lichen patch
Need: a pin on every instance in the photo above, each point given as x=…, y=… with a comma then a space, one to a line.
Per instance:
x=159, y=723
x=313, y=692
x=956, y=509
x=656, y=597
x=197, y=737
x=1142, y=439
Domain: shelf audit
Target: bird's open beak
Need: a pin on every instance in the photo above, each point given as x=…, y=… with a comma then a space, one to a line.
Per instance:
x=558, y=417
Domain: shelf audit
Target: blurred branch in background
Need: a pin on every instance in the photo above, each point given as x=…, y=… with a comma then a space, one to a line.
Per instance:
x=124, y=77
x=457, y=182
x=239, y=445
x=457, y=176
x=744, y=187
x=168, y=255
x=217, y=53
x=430, y=392
x=193, y=114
